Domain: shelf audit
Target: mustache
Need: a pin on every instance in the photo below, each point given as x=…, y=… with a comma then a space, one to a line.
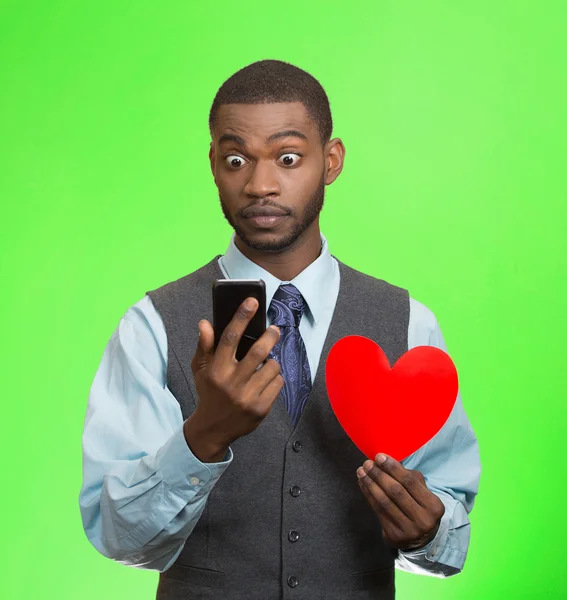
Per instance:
x=267, y=203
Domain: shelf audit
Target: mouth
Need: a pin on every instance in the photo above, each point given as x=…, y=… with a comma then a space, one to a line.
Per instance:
x=266, y=222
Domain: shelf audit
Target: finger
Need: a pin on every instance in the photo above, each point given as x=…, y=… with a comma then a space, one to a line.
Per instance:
x=390, y=530
x=257, y=354
x=205, y=345
x=371, y=500
x=230, y=337
x=408, y=479
x=386, y=509
x=395, y=491
x=263, y=376
x=388, y=527
x=272, y=390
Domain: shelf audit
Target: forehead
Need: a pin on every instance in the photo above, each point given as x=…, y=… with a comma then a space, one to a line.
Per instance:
x=259, y=121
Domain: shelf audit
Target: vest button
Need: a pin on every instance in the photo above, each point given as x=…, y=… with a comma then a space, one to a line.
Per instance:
x=295, y=490
x=293, y=536
x=296, y=446
x=292, y=581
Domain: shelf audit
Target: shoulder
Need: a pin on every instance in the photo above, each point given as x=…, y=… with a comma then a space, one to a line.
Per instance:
x=146, y=325
x=424, y=329
x=423, y=315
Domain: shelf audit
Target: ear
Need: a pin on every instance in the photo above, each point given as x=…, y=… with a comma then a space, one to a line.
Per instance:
x=334, y=159
x=212, y=158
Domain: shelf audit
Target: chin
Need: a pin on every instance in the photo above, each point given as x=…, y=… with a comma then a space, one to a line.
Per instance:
x=268, y=241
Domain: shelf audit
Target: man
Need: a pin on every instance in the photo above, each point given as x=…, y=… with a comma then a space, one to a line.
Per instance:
x=234, y=479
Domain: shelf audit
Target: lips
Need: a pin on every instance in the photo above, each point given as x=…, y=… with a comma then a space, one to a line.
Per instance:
x=264, y=217
x=267, y=222
x=263, y=211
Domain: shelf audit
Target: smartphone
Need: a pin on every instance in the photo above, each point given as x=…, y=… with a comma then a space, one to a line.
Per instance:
x=228, y=295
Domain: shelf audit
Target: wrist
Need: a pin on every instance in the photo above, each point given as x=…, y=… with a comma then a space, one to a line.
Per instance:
x=424, y=542
x=202, y=442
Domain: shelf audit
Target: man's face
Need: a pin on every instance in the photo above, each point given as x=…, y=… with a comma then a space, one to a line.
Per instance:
x=268, y=157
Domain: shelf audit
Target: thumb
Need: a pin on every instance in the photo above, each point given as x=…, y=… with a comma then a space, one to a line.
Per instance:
x=205, y=345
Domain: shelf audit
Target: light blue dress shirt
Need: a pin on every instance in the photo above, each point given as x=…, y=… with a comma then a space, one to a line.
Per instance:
x=143, y=489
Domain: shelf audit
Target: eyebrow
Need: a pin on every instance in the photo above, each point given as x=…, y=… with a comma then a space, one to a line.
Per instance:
x=231, y=137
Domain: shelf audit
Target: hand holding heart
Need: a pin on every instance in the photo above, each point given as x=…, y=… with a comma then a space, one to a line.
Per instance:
x=396, y=410
x=408, y=511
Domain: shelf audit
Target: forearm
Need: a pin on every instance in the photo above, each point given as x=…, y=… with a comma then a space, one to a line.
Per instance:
x=141, y=512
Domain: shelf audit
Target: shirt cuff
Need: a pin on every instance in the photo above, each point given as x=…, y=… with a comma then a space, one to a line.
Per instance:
x=183, y=472
x=438, y=558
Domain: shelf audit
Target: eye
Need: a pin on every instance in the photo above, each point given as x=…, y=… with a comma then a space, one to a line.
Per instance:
x=290, y=159
x=234, y=161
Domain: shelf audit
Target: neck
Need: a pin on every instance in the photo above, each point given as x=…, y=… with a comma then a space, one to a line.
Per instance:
x=288, y=263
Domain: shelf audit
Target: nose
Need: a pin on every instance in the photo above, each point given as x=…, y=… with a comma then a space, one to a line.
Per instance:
x=263, y=180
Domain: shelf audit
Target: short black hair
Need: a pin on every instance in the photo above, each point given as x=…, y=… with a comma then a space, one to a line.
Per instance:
x=270, y=81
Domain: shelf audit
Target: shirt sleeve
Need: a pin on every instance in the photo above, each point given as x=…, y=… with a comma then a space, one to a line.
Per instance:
x=450, y=464
x=143, y=490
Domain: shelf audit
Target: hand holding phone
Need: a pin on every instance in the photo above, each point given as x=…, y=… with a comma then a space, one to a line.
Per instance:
x=233, y=396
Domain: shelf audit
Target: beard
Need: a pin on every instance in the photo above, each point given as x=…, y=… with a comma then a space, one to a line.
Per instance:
x=311, y=212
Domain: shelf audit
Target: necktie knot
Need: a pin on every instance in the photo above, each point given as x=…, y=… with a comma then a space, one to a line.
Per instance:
x=287, y=306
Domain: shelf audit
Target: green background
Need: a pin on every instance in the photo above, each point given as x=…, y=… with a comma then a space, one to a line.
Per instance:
x=453, y=116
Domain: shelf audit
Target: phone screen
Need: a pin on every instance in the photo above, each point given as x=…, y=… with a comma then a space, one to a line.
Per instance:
x=228, y=295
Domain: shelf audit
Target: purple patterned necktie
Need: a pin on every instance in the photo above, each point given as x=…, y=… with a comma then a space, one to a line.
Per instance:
x=285, y=311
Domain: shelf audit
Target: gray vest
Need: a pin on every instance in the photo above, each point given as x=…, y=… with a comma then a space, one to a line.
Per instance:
x=287, y=519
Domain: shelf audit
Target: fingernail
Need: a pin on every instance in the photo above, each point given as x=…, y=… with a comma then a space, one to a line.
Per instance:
x=367, y=466
x=249, y=304
x=360, y=472
x=380, y=458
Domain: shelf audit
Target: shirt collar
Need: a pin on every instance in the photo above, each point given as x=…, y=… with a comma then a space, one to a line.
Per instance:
x=311, y=282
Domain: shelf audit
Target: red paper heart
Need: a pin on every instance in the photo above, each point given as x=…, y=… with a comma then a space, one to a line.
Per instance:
x=391, y=410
